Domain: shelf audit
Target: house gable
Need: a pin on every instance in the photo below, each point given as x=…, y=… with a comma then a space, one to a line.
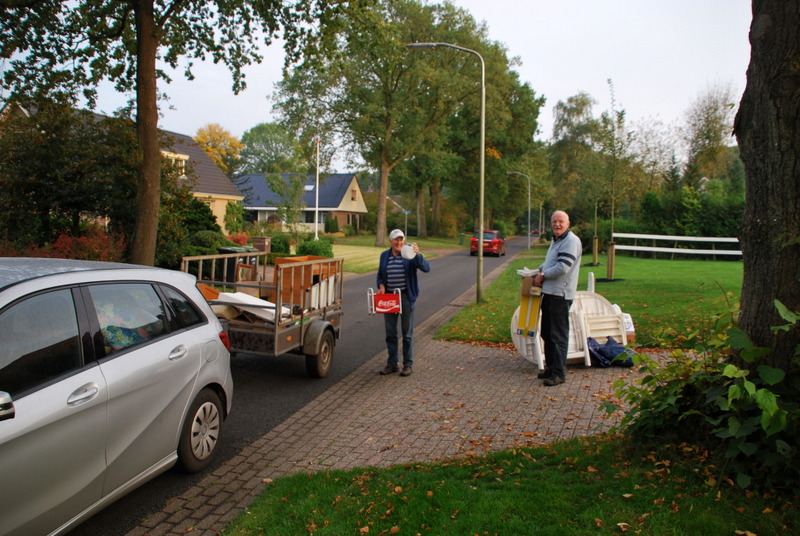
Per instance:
x=213, y=187
x=336, y=191
x=339, y=195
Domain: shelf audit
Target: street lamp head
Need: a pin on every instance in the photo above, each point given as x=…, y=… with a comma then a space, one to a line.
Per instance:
x=422, y=45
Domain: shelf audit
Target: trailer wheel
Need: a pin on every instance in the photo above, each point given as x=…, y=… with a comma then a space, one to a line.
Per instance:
x=319, y=365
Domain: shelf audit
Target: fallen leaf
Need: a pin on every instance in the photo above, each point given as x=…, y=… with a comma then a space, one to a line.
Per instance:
x=623, y=527
x=591, y=469
x=394, y=530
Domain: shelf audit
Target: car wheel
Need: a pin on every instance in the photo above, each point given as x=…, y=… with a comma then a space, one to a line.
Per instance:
x=200, y=432
x=319, y=365
x=473, y=253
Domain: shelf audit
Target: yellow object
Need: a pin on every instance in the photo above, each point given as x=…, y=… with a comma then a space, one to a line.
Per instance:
x=529, y=307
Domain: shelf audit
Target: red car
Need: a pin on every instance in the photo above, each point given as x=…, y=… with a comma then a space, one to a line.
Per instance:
x=493, y=243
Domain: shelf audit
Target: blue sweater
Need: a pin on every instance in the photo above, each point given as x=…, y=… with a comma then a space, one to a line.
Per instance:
x=410, y=267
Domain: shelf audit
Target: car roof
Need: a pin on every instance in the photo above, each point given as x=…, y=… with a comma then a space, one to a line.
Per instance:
x=15, y=270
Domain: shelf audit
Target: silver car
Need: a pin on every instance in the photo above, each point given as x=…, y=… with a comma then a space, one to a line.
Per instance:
x=109, y=375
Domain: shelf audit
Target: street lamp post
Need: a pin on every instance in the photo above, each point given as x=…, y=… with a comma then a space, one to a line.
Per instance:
x=316, y=203
x=479, y=282
x=529, y=203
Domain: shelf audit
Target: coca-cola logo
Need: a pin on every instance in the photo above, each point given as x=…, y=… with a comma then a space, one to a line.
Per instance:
x=387, y=305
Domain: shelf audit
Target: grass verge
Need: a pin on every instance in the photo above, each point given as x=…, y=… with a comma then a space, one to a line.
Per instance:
x=674, y=303
x=361, y=254
x=586, y=486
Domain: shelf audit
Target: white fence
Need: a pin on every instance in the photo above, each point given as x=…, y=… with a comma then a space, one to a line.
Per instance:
x=675, y=240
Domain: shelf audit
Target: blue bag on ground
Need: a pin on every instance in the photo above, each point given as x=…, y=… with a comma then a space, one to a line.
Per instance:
x=612, y=353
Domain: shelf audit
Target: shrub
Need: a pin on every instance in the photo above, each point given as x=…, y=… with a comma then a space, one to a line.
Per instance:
x=209, y=240
x=503, y=226
x=750, y=417
x=331, y=225
x=280, y=244
x=319, y=248
x=95, y=245
x=240, y=238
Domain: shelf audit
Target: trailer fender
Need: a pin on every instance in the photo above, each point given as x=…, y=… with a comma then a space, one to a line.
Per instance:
x=313, y=336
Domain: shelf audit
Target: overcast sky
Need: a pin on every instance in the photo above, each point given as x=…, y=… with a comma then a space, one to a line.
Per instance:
x=660, y=55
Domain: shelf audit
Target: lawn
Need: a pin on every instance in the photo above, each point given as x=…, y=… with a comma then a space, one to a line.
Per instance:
x=361, y=255
x=674, y=303
x=587, y=486
x=604, y=484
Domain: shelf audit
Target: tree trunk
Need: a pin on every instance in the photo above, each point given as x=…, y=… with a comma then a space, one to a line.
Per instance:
x=767, y=127
x=422, y=224
x=436, y=215
x=143, y=244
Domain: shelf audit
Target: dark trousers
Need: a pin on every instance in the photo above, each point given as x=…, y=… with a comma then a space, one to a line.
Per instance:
x=555, y=333
x=407, y=333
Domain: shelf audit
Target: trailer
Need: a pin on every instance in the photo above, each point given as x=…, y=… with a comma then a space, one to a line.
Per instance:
x=293, y=307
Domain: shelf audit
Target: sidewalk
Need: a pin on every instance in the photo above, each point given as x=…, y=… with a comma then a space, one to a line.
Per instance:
x=461, y=399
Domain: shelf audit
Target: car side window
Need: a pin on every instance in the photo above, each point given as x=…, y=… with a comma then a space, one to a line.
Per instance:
x=185, y=313
x=129, y=314
x=40, y=341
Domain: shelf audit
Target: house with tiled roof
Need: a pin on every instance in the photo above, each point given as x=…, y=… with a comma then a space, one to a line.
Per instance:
x=213, y=187
x=339, y=198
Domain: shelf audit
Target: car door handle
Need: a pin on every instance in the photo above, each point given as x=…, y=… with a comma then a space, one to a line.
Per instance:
x=178, y=352
x=83, y=394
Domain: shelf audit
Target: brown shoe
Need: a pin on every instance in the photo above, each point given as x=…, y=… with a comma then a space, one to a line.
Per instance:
x=553, y=380
x=389, y=369
x=406, y=371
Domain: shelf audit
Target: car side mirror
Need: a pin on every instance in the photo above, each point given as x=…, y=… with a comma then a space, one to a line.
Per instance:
x=7, y=410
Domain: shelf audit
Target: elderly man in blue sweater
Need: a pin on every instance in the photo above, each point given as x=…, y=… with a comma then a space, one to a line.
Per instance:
x=395, y=272
x=558, y=278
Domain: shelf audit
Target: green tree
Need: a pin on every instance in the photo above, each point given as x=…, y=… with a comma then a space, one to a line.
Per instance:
x=709, y=125
x=572, y=156
x=76, y=44
x=234, y=217
x=270, y=148
x=289, y=189
x=376, y=96
x=59, y=166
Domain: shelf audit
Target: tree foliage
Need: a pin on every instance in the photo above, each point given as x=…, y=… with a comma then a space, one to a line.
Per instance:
x=270, y=148
x=59, y=166
x=392, y=104
x=709, y=127
x=373, y=94
x=74, y=45
x=221, y=146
